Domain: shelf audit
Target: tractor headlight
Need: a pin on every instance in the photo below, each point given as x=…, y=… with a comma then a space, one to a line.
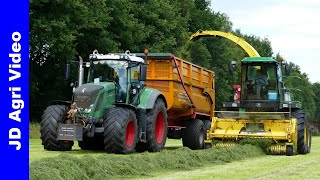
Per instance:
x=88, y=110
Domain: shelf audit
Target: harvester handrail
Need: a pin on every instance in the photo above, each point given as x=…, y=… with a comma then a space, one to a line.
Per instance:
x=240, y=41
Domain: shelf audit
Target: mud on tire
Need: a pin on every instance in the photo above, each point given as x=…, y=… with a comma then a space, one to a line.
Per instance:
x=120, y=131
x=51, y=117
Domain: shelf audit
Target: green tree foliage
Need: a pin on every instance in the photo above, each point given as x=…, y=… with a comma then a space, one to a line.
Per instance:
x=298, y=83
x=63, y=30
x=316, y=90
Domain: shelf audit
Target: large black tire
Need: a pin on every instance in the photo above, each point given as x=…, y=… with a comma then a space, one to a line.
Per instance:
x=51, y=117
x=309, y=139
x=88, y=143
x=289, y=150
x=120, y=131
x=302, y=128
x=207, y=126
x=194, y=134
x=157, y=127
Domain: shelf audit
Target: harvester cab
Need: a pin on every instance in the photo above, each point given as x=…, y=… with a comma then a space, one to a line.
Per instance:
x=262, y=86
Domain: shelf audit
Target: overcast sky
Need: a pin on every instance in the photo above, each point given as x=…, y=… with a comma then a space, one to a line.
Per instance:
x=292, y=26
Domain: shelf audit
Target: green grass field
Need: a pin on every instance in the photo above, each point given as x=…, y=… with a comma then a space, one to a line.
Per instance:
x=263, y=167
x=255, y=167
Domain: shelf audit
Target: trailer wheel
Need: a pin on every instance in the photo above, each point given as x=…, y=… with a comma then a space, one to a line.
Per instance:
x=157, y=126
x=120, y=131
x=194, y=134
x=51, y=117
x=89, y=143
x=302, y=144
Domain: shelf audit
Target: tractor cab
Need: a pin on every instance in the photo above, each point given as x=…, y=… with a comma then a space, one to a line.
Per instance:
x=126, y=71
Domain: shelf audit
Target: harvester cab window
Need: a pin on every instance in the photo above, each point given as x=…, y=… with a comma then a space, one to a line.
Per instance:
x=260, y=82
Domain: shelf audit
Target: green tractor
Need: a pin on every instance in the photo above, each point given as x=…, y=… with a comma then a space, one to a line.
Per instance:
x=112, y=111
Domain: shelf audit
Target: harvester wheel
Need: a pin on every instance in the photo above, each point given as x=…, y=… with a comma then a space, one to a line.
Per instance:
x=207, y=126
x=289, y=150
x=120, y=131
x=302, y=127
x=194, y=134
x=309, y=139
x=157, y=127
x=89, y=143
x=51, y=117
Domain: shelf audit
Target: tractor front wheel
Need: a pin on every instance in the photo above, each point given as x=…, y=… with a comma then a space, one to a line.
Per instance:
x=120, y=131
x=51, y=118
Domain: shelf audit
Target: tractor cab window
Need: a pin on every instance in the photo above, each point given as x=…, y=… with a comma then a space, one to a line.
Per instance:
x=101, y=71
x=260, y=82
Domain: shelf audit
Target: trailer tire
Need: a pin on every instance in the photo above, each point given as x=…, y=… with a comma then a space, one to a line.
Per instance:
x=51, y=118
x=120, y=131
x=302, y=128
x=157, y=127
x=89, y=143
x=193, y=135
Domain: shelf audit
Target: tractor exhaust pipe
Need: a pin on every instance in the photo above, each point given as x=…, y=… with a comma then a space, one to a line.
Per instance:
x=81, y=71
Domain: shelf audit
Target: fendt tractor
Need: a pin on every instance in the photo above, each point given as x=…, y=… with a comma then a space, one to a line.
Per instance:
x=132, y=102
x=262, y=108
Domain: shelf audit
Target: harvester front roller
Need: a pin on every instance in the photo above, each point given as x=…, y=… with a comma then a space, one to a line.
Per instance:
x=287, y=135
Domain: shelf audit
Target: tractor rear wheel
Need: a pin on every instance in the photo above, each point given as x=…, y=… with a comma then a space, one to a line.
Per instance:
x=120, y=131
x=91, y=143
x=157, y=127
x=302, y=128
x=51, y=118
x=194, y=134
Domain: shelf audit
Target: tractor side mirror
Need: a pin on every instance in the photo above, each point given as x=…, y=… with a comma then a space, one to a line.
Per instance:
x=231, y=67
x=143, y=73
x=67, y=71
x=287, y=69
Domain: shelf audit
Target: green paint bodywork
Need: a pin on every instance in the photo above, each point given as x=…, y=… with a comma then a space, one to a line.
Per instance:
x=258, y=60
x=107, y=98
x=144, y=98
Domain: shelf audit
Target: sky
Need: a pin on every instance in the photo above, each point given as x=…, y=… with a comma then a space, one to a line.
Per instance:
x=292, y=26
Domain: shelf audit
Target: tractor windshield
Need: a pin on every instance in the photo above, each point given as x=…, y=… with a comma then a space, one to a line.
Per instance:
x=108, y=70
x=260, y=82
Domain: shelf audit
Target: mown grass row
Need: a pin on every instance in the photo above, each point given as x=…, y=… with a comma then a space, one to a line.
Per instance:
x=143, y=164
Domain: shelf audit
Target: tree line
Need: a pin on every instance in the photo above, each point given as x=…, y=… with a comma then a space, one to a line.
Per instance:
x=62, y=30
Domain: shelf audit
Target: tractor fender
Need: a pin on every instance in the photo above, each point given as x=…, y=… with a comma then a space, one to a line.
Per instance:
x=149, y=97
